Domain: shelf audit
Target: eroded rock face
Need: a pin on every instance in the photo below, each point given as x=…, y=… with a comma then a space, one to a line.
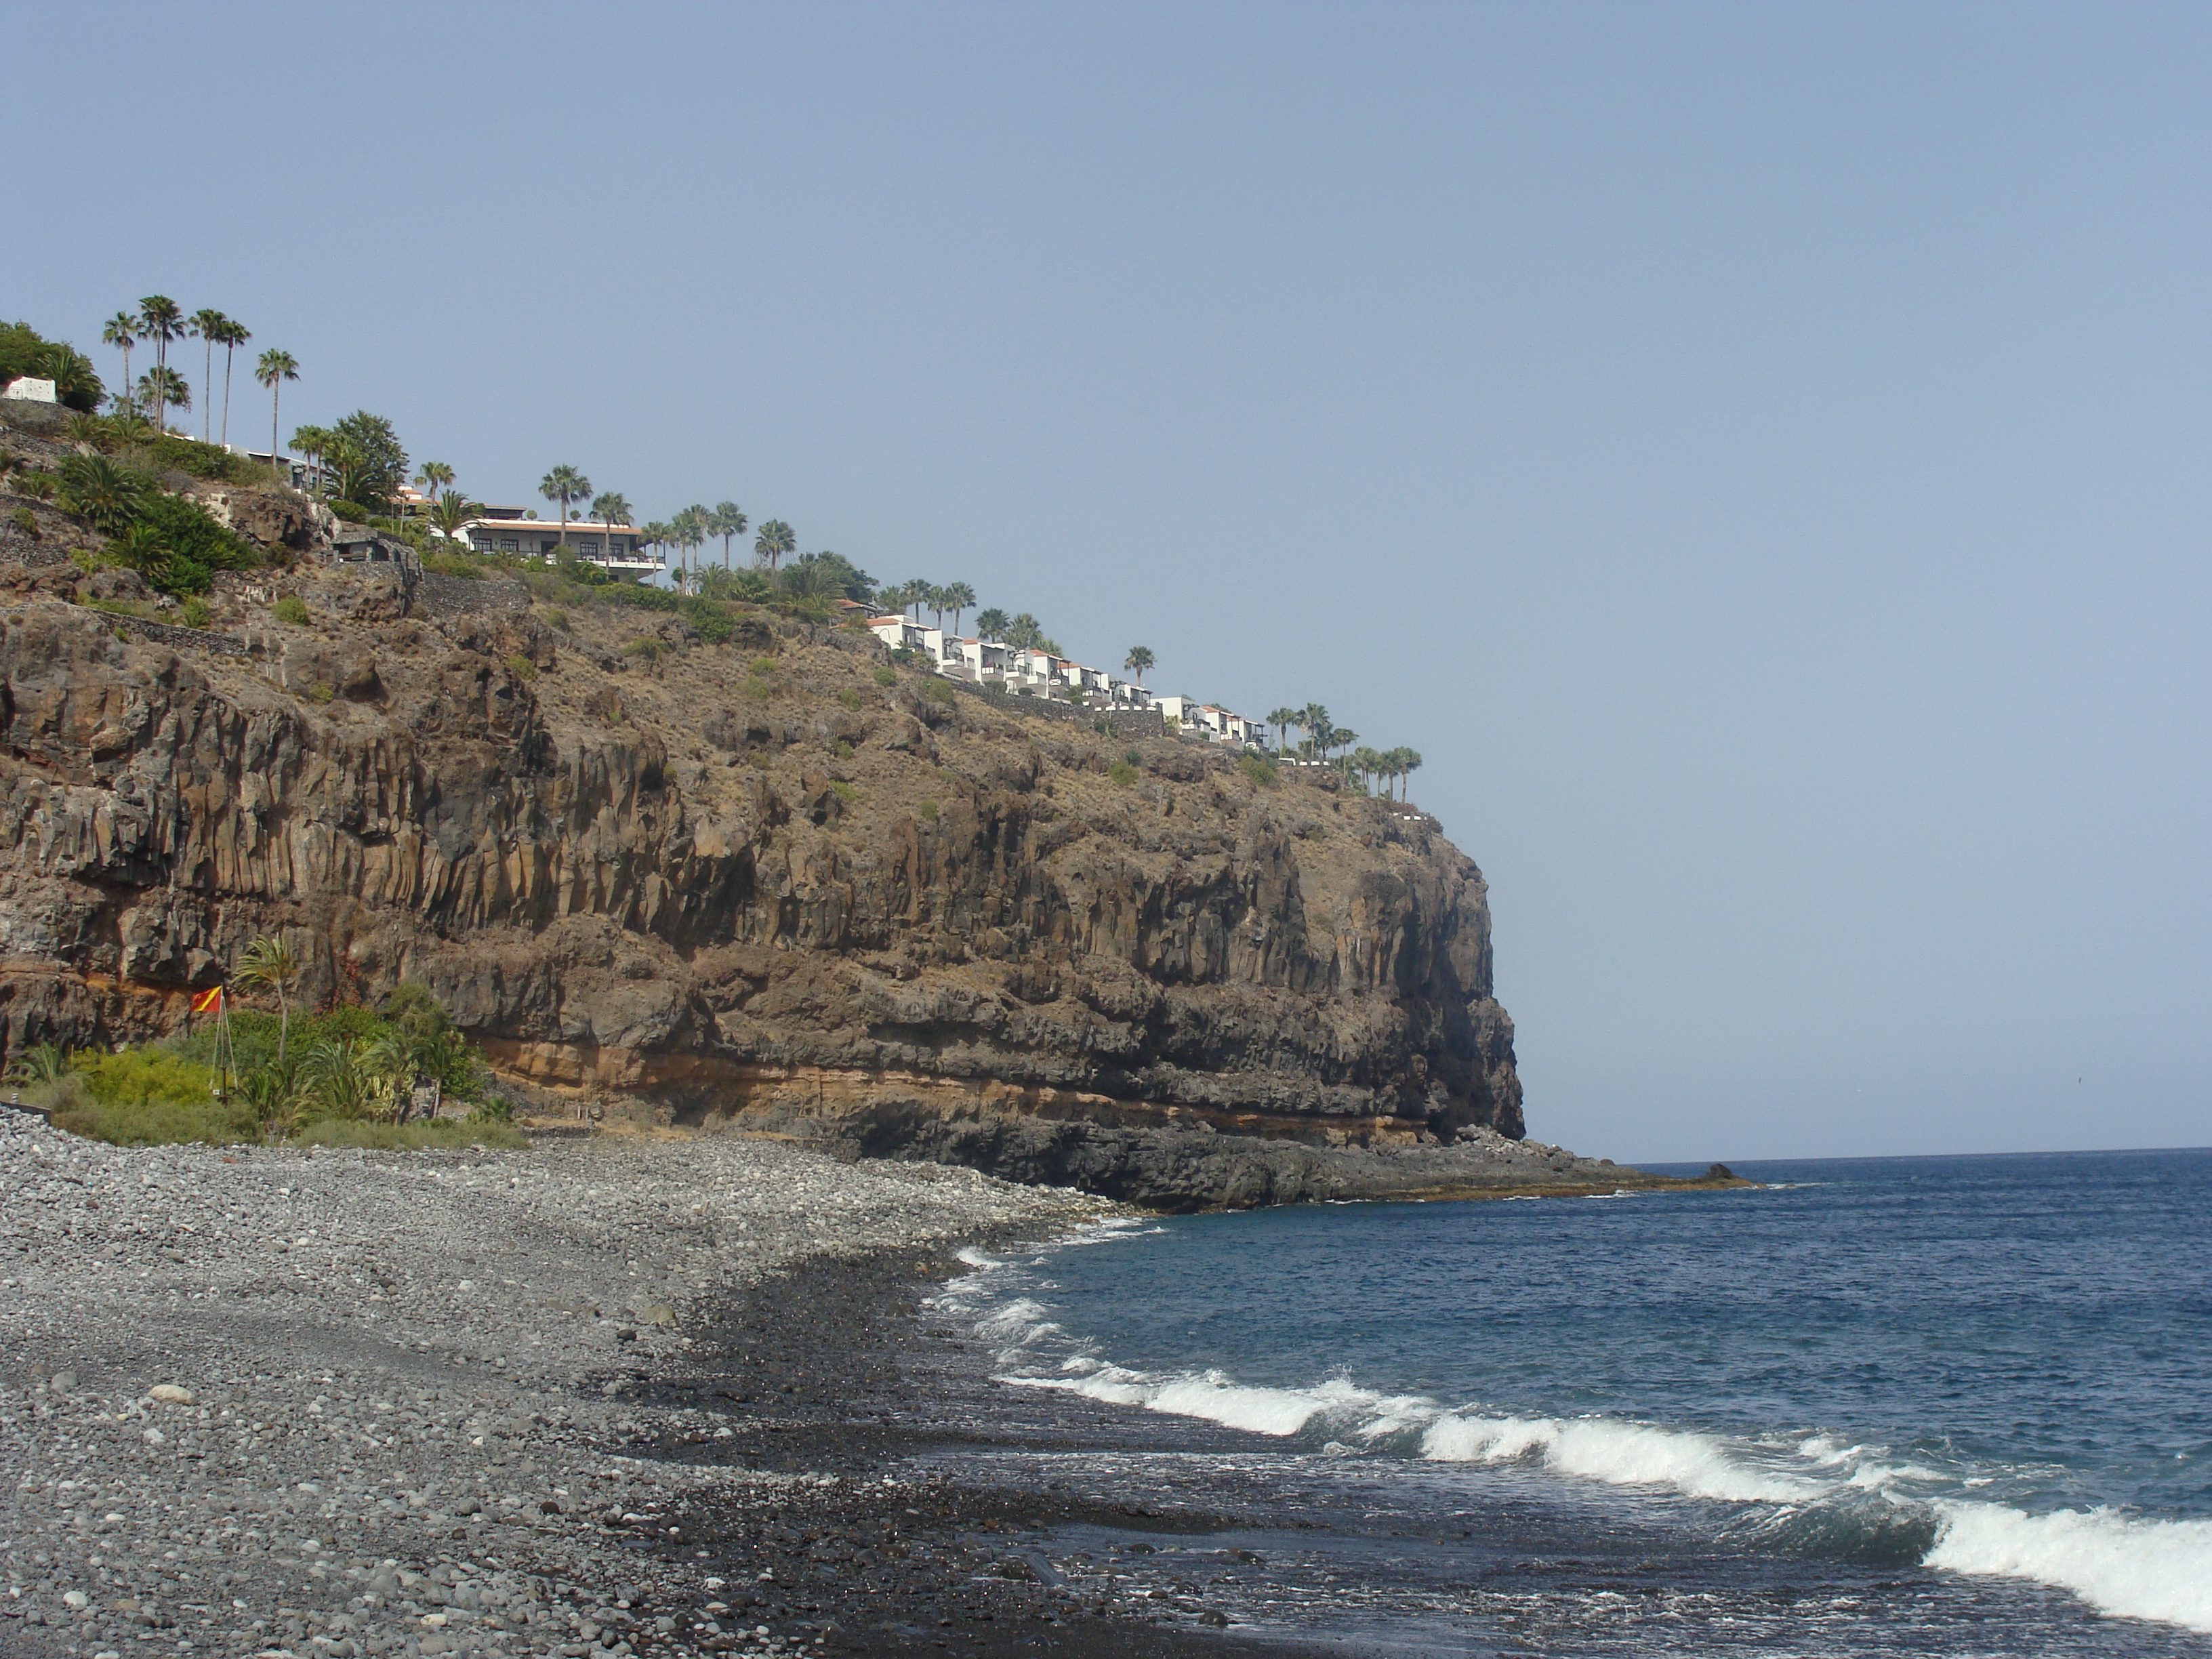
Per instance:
x=702, y=872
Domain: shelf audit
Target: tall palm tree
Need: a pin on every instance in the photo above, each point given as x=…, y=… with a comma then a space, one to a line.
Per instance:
x=728, y=521
x=1282, y=720
x=161, y=320
x=611, y=508
x=1313, y=720
x=655, y=535
x=234, y=335
x=776, y=539
x=564, y=484
x=1341, y=738
x=692, y=526
x=122, y=331
x=270, y=965
x=208, y=326
x=932, y=599
x=991, y=624
x=436, y=476
x=958, y=596
x=1139, y=659
x=274, y=369
x=1409, y=762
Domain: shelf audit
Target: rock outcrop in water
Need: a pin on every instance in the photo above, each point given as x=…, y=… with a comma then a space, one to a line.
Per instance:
x=770, y=880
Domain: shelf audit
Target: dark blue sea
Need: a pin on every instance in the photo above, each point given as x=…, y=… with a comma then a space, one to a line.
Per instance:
x=1940, y=1405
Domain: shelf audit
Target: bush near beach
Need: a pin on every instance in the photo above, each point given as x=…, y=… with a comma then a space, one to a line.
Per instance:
x=344, y=1077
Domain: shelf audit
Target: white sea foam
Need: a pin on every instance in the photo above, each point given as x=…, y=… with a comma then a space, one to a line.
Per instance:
x=2122, y=1565
x=2118, y=1564
x=1617, y=1452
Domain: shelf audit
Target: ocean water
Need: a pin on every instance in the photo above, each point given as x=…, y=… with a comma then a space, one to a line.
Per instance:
x=1980, y=1387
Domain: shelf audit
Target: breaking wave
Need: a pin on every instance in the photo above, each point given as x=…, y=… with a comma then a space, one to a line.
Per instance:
x=1809, y=1493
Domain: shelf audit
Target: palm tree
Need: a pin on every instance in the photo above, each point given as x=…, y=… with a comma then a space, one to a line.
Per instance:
x=612, y=508
x=270, y=965
x=451, y=510
x=991, y=624
x=564, y=484
x=1313, y=720
x=434, y=476
x=1409, y=762
x=274, y=369
x=209, y=327
x=234, y=335
x=1026, y=633
x=42, y=1062
x=728, y=521
x=691, y=530
x=161, y=390
x=1282, y=720
x=96, y=488
x=776, y=539
x=122, y=331
x=161, y=320
x=1340, y=739
x=957, y=598
x=1139, y=659
x=656, y=535
x=933, y=598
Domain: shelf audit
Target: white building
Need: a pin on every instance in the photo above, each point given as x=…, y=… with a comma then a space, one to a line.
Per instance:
x=616, y=548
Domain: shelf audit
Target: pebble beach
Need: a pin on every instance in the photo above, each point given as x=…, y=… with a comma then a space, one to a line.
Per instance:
x=257, y=1400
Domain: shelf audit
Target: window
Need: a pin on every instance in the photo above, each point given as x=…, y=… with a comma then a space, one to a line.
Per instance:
x=506, y=544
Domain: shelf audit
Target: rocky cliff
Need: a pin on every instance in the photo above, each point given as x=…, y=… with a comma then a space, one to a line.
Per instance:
x=774, y=880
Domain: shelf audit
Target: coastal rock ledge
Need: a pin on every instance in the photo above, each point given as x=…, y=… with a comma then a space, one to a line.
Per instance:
x=771, y=882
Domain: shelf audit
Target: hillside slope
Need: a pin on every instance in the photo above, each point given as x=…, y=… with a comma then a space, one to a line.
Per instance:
x=772, y=880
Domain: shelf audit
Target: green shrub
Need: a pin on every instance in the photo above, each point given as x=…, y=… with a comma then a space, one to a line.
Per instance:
x=25, y=520
x=290, y=609
x=1259, y=769
x=845, y=792
x=146, y=1097
x=521, y=667
x=931, y=811
x=194, y=613
x=558, y=618
x=887, y=676
x=763, y=664
x=168, y=452
x=175, y=546
x=645, y=646
x=29, y=481
x=350, y=512
x=939, y=691
x=849, y=698
x=1122, y=773
x=455, y=564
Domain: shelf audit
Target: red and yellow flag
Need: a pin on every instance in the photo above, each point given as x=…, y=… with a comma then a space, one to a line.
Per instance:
x=209, y=1002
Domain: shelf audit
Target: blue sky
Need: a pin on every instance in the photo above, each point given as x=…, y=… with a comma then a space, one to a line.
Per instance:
x=1756, y=454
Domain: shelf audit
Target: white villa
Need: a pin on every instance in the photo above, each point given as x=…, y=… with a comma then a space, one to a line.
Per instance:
x=1040, y=673
x=616, y=547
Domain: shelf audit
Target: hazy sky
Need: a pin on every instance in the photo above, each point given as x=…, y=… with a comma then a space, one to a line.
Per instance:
x=1756, y=454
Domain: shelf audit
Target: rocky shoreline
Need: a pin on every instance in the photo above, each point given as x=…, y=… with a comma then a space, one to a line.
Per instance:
x=337, y=1403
